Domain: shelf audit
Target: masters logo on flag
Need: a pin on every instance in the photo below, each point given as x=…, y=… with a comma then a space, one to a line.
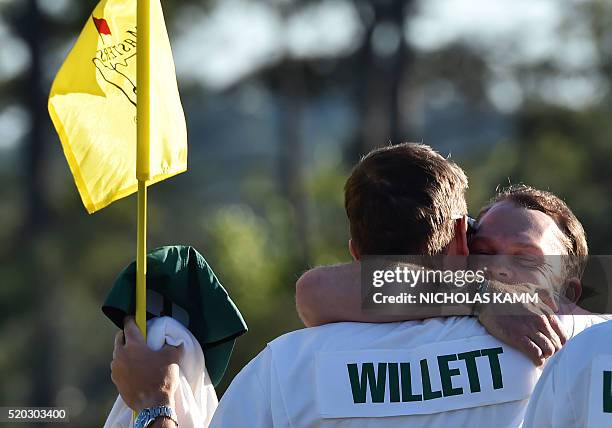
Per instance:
x=93, y=105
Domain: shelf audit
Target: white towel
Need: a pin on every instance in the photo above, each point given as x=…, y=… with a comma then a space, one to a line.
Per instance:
x=196, y=400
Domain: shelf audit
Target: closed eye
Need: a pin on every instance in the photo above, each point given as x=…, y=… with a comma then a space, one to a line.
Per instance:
x=530, y=261
x=480, y=252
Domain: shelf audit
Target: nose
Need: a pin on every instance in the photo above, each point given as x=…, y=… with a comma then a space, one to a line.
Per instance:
x=498, y=269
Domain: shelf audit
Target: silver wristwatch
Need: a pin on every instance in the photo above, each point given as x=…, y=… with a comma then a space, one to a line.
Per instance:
x=147, y=416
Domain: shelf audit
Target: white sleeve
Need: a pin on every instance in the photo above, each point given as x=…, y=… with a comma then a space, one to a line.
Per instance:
x=247, y=403
x=540, y=410
x=552, y=404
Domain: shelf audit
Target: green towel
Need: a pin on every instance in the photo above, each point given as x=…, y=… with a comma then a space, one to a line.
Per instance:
x=181, y=284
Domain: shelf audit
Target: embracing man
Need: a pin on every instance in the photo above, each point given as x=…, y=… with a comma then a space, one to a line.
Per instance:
x=404, y=199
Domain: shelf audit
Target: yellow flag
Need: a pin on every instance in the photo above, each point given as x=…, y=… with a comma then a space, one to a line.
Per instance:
x=93, y=105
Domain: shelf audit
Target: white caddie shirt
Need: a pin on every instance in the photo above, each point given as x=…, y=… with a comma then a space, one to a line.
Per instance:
x=575, y=390
x=440, y=372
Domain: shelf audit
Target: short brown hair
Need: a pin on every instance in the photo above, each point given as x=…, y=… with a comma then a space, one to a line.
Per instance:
x=574, y=238
x=401, y=199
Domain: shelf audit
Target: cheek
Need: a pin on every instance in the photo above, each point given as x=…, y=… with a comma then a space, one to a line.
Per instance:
x=533, y=276
x=541, y=278
x=521, y=275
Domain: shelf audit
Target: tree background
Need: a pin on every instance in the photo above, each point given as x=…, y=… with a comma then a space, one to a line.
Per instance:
x=282, y=97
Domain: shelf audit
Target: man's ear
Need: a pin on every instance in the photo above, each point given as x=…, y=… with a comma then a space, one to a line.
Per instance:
x=573, y=290
x=354, y=250
x=459, y=244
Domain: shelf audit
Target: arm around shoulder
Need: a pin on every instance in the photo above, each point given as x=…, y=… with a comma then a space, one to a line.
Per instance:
x=329, y=294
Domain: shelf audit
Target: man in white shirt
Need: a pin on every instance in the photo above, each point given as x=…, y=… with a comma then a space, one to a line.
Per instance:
x=575, y=389
x=406, y=199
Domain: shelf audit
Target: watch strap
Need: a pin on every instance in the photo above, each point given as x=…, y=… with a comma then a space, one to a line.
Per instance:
x=147, y=416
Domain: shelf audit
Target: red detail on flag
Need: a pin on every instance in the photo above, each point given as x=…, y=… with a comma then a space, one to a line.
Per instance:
x=101, y=25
